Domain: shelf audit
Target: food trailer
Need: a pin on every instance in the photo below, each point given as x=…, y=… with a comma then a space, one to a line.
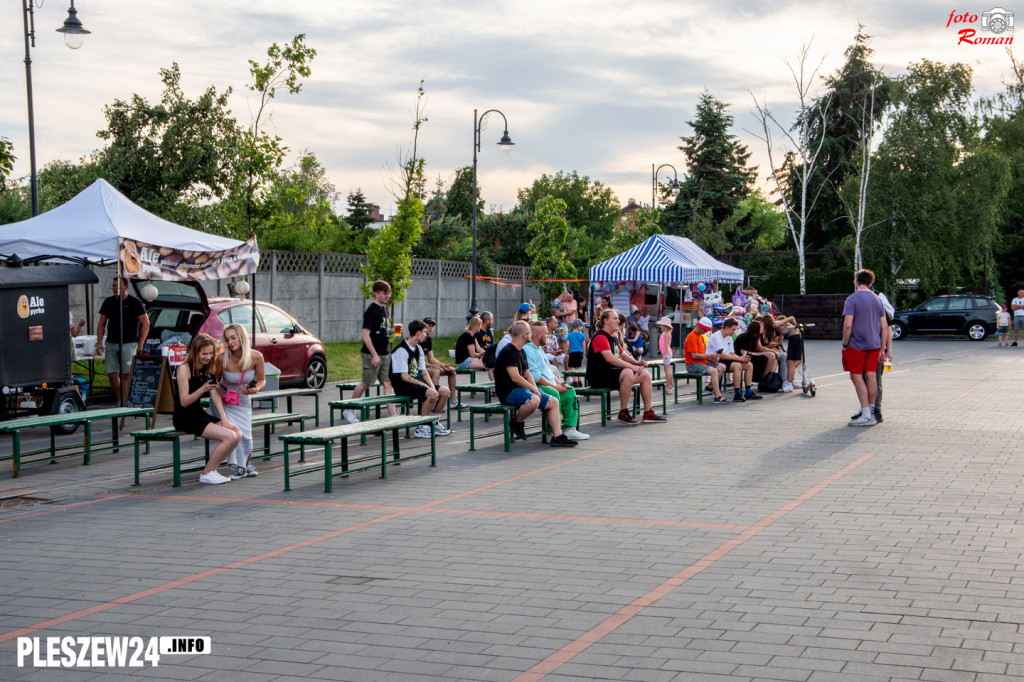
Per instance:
x=35, y=340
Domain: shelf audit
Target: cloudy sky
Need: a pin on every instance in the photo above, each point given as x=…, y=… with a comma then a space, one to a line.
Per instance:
x=604, y=88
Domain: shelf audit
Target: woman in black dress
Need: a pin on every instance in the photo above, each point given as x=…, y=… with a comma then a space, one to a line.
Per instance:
x=193, y=380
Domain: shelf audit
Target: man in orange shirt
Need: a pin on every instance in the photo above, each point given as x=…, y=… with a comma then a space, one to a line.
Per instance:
x=697, y=358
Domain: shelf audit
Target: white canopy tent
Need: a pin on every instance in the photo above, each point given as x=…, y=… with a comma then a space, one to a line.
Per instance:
x=86, y=230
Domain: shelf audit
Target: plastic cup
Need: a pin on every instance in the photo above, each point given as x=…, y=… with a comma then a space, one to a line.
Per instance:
x=398, y=328
x=888, y=366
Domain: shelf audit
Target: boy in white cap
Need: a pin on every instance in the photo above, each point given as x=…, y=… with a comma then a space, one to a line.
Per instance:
x=699, y=361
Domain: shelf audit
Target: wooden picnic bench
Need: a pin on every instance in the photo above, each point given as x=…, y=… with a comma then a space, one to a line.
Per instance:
x=173, y=436
x=486, y=387
x=288, y=394
x=327, y=435
x=506, y=412
x=351, y=386
x=14, y=427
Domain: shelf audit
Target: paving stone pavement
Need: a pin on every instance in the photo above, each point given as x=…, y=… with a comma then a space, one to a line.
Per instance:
x=762, y=541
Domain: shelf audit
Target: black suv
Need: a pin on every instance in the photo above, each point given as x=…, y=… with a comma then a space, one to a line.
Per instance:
x=971, y=314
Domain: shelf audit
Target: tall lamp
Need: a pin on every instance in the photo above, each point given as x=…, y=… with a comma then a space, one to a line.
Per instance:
x=73, y=37
x=654, y=182
x=506, y=145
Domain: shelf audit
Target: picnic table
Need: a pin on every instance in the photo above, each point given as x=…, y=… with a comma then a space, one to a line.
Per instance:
x=288, y=394
x=14, y=427
x=327, y=435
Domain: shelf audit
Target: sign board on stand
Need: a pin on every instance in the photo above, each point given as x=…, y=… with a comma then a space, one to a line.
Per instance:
x=151, y=385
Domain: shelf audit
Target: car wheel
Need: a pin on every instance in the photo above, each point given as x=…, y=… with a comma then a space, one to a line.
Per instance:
x=977, y=331
x=897, y=331
x=68, y=405
x=316, y=372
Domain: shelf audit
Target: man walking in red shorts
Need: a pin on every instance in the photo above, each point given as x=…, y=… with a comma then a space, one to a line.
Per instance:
x=863, y=322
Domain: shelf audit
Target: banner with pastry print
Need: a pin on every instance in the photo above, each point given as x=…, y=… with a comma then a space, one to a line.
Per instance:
x=140, y=260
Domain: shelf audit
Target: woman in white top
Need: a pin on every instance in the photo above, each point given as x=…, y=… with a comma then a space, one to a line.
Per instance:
x=241, y=369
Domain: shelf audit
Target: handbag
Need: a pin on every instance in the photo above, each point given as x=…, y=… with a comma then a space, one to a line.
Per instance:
x=231, y=396
x=771, y=382
x=738, y=297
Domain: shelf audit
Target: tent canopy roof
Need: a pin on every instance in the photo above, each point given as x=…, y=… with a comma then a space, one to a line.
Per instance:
x=86, y=229
x=665, y=258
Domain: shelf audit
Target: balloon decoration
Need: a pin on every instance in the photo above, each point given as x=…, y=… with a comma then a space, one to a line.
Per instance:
x=702, y=287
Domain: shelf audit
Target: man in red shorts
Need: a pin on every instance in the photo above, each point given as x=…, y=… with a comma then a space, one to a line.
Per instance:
x=863, y=324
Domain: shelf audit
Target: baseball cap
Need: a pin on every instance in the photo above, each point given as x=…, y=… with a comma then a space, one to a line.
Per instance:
x=576, y=324
x=430, y=321
x=524, y=307
x=705, y=323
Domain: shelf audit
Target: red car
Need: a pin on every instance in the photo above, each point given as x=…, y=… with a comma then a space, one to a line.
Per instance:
x=183, y=306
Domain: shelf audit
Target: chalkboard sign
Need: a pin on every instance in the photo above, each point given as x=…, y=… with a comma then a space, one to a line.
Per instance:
x=150, y=384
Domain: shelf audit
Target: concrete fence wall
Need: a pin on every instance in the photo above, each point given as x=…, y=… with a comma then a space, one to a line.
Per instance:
x=321, y=291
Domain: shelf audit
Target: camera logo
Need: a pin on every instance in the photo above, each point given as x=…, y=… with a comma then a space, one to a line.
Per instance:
x=997, y=20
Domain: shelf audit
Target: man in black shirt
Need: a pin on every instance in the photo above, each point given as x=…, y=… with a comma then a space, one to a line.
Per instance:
x=485, y=336
x=408, y=378
x=129, y=327
x=375, y=354
x=514, y=385
x=435, y=367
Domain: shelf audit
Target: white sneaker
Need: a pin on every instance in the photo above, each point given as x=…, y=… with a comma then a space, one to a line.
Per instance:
x=573, y=434
x=459, y=405
x=863, y=420
x=440, y=429
x=213, y=478
x=350, y=416
x=422, y=431
x=787, y=387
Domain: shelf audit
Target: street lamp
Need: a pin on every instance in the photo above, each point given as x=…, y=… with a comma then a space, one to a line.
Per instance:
x=654, y=182
x=506, y=144
x=73, y=33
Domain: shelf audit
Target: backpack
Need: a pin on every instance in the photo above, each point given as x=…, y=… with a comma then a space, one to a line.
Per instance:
x=771, y=382
x=490, y=356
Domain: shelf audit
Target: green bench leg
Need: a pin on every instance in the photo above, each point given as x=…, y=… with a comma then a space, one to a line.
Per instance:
x=287, y=472
x=177, y=462
x=472, y=420
x=507, y=434
x=344, y=457
x=328, y=474
x=136, y=462
x=384, y=452
x=433, y=450
x=16, y=444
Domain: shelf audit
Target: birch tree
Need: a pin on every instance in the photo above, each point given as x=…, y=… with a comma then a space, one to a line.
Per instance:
x=800, y=157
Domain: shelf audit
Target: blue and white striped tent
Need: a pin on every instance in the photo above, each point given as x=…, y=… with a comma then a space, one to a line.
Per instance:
x=665, y=258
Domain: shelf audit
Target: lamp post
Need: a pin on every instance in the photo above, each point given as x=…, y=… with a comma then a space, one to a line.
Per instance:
x=73, y=34
x=506, y=144
x=654, y=182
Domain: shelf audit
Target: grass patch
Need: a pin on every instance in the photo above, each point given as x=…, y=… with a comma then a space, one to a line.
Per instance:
x=344, y=362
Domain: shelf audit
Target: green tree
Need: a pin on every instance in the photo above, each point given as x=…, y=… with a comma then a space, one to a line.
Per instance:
x=304, y=219
x=258, y=154
x=644, y=225
x=172, y=152
x=7, y=159
x=458, y=201
x=592, y=210
x=359, y=214
x=1003, y=122
x=857, y=96
x=389, y=253
x=500, y=239
x=716, y=162
x=548, y=234
x=759, y=226
x=938, y=192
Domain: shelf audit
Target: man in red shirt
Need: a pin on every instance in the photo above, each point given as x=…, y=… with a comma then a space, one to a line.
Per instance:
x=609, y=367
x=699, y=361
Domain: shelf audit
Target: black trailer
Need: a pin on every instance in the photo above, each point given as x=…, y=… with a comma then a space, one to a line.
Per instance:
x=35, y=339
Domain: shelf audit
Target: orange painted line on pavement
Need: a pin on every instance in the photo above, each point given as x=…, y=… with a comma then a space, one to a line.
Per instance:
x=448, y=510
x=185, y=580
x=972, y=389
x=61, y=508
x=623, y=615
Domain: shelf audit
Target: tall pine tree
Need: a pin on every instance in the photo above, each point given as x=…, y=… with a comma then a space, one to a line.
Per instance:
x=717, y=175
